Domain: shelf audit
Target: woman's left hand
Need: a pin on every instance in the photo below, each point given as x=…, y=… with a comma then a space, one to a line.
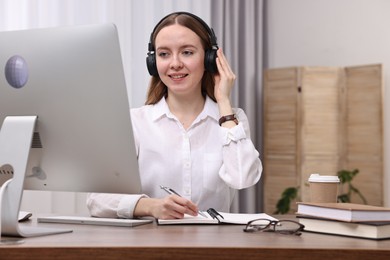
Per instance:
x=224, y=79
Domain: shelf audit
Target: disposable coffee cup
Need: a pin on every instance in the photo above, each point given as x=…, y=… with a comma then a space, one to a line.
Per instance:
x=323, y=188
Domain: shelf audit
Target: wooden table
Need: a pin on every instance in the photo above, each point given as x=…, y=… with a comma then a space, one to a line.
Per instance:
x=189, y=242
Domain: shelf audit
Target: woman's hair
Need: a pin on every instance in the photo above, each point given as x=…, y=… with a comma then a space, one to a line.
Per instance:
x=157, y=89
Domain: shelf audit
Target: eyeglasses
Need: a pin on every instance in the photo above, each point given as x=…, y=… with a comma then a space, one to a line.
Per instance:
x=288, y=227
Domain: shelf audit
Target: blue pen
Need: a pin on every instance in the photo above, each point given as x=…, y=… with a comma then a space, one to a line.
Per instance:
x=171, y=191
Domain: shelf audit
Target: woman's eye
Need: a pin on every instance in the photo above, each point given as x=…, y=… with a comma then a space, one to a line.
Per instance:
x=187, y=53
x=162, y=54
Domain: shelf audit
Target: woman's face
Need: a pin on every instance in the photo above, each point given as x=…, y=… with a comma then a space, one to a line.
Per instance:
x=180, y=59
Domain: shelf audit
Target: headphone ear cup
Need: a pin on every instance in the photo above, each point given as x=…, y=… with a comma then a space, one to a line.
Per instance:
x=151, y=64
x=210, y=62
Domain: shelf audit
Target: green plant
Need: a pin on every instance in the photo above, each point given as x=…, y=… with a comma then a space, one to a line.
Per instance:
x=288, y=195
x=346, y=178
x=283, y=205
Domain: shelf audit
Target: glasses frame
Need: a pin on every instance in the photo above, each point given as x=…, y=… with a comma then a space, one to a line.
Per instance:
x=271, y=226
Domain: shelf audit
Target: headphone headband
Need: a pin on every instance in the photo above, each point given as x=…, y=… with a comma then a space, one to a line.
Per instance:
x=213, y=38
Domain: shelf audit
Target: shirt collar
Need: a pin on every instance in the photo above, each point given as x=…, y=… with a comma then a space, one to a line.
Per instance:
x=210, y=109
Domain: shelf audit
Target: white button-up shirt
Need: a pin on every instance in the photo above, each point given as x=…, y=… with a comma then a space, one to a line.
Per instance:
x=205, y=163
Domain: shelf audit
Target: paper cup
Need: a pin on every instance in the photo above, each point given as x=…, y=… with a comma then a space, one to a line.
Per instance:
x=323, y=188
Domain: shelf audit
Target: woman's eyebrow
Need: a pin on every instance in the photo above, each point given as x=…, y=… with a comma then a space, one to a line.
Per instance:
x=181, y=47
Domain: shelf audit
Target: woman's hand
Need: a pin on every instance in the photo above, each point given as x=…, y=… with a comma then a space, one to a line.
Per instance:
x=224, y=79
x=170, y=207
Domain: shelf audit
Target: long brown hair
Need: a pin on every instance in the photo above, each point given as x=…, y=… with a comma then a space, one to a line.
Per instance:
x=157, y=89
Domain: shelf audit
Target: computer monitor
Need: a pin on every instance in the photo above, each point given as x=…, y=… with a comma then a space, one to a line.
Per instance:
x=65, y=117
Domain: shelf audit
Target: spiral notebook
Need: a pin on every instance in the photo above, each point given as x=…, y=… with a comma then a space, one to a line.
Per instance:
x=215, y=217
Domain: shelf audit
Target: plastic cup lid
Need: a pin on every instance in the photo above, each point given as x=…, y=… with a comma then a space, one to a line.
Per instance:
x=315, y=177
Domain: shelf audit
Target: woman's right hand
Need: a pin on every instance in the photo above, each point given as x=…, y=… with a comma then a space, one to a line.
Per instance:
x=170, y=207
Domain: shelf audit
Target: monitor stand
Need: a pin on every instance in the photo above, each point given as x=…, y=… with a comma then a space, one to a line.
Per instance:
x=15, y=141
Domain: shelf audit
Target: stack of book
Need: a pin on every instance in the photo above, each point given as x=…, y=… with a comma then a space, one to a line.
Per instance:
x=345, y=219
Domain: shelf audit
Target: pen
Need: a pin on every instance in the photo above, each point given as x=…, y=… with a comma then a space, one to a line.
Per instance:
x=171, y=191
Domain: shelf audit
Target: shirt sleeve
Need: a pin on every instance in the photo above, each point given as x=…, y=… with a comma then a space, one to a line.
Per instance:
x=241, y=166
x=105, y=205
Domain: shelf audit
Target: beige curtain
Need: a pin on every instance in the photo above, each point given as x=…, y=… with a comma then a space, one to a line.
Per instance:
x=239, y=28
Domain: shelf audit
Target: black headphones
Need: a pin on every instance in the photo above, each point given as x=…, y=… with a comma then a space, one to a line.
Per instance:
x=210, y=54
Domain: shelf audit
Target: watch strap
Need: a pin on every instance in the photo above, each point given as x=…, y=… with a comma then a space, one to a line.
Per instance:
x=226, y=118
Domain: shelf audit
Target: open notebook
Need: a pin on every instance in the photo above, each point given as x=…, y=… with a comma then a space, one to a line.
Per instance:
x=215, y=217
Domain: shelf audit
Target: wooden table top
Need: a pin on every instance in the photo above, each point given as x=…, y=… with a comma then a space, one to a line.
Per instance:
x=189, y=242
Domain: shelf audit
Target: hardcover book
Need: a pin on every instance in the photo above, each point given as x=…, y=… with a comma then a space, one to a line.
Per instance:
x=368, y=230
x=348, y=212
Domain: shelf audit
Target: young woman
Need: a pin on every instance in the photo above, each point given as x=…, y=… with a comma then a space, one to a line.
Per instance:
x=188, y=137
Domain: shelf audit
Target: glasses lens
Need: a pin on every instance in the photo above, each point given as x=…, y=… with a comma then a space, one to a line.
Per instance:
x=257, y=225
x=287, y=227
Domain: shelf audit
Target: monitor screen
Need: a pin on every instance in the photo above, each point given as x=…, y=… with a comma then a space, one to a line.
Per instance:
x=64, y=110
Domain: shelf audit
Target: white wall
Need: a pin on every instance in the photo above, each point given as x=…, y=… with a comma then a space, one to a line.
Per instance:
x=332, y=33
